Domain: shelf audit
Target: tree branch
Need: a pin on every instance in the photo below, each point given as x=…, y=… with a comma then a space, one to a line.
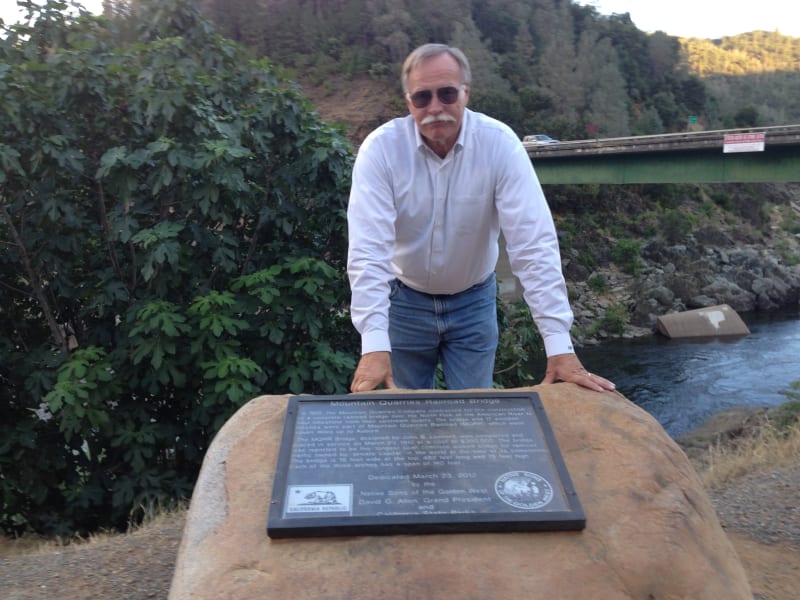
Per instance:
x=254, y=240
x=59, y=339
x=101, y=205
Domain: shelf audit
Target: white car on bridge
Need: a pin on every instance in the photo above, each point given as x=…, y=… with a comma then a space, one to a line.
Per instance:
x=539, y=138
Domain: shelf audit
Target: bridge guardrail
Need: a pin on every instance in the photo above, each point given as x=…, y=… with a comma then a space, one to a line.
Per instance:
x=689, y=140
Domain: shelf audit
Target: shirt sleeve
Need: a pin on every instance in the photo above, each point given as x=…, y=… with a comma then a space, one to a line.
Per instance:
x=371, y=233
x=532, y=247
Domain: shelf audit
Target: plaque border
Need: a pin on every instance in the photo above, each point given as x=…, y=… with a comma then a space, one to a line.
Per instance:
x=278, y=526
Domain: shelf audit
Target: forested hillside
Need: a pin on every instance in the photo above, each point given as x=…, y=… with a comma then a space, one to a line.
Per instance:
x=745, y=54
x=753, y=78
x=540, y=65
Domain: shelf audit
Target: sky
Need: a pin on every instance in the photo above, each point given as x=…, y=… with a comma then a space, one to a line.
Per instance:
x=10, y=14
x=709, y=19
x=685, y=18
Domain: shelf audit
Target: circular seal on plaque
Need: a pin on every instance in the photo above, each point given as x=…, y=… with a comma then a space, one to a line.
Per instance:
x=523, y=489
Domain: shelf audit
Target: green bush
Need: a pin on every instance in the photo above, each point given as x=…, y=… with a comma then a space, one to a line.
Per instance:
x=598, y=283
x=787, y=253
x=174, y=218
x=627, y=254
x=615, y=320
x=722, y=199
x=675, y=225
x=790, y=222
x=646, y=223
x=707, y=208
x=793, y=394
x=587, y=259
x=787, y=415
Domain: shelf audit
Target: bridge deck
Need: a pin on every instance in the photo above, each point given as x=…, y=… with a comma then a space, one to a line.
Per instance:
x=688, y=157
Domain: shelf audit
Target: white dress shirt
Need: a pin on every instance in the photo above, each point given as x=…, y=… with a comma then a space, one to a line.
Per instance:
x=434, y=223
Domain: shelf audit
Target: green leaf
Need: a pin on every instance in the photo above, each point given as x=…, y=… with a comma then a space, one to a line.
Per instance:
x=110, y=159
x=276, y=335
x=9, y=161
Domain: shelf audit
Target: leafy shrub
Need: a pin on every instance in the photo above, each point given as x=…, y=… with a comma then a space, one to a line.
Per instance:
x=787, y=253
x=722, y=199
x=667, y=196
x=790, y=222
x=675, y=225
x=175, y=218
x=793, y=394
x=615, y=319
x=707, y=208
x=787, y=416
x=626, y=253
x=587, y=259
x=598, y=283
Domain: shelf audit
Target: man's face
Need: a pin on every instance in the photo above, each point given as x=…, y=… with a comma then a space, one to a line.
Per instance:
x=438, y=122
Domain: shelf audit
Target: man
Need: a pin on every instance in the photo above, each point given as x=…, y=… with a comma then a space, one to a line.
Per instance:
x=430, y=194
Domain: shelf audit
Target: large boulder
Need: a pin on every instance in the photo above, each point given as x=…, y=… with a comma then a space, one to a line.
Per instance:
x=651, y=530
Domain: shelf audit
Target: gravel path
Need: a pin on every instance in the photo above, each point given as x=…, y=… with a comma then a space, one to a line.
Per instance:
x=137, y=566
x=761, y=506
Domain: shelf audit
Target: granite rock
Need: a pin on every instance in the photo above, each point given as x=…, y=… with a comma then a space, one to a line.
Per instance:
x=651, y=529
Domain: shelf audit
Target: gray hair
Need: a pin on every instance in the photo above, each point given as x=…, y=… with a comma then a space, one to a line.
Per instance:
x=427, y=51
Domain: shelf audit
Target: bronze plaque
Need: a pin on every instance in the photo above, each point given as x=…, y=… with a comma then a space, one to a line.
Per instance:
x=375, y=464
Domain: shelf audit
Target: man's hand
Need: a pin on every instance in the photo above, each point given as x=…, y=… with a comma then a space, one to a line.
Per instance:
x=373, y=369
x=567, y=367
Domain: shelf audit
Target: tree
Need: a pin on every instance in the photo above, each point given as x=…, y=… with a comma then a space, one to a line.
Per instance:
x=553, y=29
x=605, y=102
x=496, y=25
x=171, y=244
x=746, y=117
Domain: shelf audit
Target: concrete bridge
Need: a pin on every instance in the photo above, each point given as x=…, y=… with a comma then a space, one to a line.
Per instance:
x=759, y=154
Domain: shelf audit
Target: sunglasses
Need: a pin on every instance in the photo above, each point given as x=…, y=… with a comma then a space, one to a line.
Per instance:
x=446, y=95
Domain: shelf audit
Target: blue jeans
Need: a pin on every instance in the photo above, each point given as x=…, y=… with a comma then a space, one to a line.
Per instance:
x=458, y=330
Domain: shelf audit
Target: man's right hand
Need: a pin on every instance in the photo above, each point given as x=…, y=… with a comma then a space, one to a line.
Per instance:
x=373, y=369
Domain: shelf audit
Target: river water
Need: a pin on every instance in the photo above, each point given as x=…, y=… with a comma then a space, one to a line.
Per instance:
x=683, y=382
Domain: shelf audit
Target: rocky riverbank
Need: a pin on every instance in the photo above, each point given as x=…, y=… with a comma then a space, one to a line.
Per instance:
x=722, y=262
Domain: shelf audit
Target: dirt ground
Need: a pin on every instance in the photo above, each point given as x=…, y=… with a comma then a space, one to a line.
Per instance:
x=139, y=565
x=773, y=570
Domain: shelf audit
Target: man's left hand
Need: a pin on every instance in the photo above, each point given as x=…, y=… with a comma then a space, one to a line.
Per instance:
x=567, y=367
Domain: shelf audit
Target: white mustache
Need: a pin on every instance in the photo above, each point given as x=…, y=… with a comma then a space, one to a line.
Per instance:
x=438, y=119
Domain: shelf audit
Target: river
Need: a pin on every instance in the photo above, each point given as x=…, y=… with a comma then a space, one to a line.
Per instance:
x=683, y=382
